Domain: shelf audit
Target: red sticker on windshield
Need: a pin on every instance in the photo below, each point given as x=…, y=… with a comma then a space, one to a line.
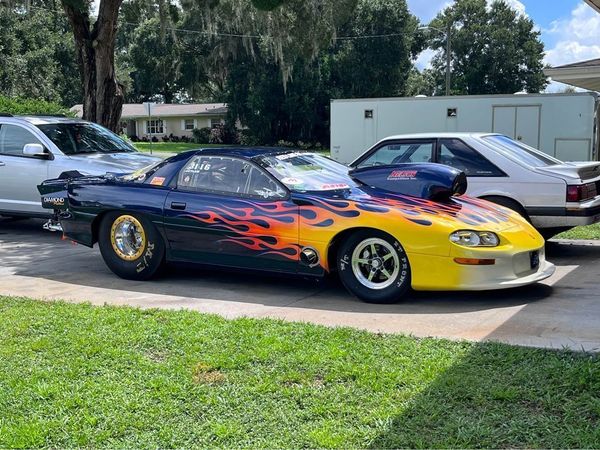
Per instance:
x=157, y=181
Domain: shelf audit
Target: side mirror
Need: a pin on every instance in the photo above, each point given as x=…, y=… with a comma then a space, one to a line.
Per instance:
x=35, y=150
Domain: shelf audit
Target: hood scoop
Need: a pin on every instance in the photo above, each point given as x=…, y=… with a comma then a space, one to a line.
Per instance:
x=429, y=181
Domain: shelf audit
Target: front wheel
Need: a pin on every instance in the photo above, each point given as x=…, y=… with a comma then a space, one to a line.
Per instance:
x=373, y=266
x=130, y=246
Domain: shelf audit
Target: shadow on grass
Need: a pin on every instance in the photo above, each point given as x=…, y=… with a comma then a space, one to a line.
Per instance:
x=499, y=396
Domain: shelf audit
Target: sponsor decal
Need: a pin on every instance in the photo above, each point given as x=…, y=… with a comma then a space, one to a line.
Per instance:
x=157, y=181
x=56, y=201
x=402, y=175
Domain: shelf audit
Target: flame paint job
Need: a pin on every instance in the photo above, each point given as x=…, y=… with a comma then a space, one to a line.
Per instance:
x=265, y=234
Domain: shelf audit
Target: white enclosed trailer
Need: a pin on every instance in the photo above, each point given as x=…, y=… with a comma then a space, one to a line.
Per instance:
x=562, y=125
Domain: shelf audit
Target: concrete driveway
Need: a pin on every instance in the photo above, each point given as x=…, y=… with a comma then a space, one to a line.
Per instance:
x=562, y=312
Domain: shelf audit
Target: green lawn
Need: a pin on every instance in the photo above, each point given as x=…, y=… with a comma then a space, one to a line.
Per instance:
x=178, y=147
x=589, y=232
x=171, y=147
x=83, y=376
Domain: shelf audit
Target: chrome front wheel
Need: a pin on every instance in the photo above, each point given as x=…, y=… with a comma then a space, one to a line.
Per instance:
x=375, y=263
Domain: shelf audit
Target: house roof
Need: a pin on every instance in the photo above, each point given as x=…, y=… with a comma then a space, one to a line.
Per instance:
x=133, y=110
x=594, y=4
x=588, y=63
x=583, y=74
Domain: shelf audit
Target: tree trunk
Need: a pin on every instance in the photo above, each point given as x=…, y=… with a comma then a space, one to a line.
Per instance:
x=102, y=93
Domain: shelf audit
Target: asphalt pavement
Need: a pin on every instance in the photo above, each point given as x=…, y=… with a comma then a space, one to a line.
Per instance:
x=561, y=312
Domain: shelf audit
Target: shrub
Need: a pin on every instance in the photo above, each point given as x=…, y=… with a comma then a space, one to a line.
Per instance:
x=217, y=135
x=201, y=135
x=154, y=139
x=284, y=143
x=16, y=105
x=246, y=137
x=166, y=138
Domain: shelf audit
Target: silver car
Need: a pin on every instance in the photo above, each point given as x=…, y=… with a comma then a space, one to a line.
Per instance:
x=552, y=194
x=36, y=148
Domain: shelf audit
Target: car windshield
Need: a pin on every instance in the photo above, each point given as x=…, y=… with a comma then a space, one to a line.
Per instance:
x=140, y=175
x=77, y=138
x=526, y=155
x=307, y=171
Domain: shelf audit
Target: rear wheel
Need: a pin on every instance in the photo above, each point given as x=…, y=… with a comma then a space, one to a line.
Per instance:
x=130, y=246
x=373, y=266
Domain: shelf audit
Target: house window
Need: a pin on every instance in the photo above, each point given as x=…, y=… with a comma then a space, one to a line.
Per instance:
x=215, y=123
x=155, y=126
x=188, y=124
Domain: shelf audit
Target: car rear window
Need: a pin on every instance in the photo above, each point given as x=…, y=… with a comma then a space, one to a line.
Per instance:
x=526, y=155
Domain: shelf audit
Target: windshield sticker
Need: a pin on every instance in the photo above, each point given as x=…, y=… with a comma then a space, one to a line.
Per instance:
x=402, y=175
x=157, y=181
x=285, y=156
x=292, y=181
x=333, y=186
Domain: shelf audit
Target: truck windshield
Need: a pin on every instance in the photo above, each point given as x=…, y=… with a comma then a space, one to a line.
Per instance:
x=307, y=171
x=77, y=138
x=526, y=155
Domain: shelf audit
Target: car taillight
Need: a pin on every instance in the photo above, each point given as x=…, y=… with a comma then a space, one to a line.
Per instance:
x=581, y=192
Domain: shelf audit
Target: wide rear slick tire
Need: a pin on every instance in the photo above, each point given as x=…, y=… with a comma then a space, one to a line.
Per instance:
x=130, y=245
x=374, y=267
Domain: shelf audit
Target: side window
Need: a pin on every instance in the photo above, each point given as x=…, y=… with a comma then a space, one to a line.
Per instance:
x=13, y=138
x=224, y=175
x=400, y=152
x=457, y=154
x=261, y=185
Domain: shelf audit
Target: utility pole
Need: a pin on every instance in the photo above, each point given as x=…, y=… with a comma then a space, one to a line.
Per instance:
x=447, y=33
x=448, y=58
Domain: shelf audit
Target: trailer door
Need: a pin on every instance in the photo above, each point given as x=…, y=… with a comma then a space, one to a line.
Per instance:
x=528, y=125
x=518, y=122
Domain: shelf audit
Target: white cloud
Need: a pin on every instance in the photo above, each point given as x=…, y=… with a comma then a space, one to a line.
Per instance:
x=423, y=61
x=566, y=52
x=578, y=37
x=519, y=6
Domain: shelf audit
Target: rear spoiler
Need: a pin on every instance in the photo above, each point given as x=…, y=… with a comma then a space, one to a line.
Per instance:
x=429, y=181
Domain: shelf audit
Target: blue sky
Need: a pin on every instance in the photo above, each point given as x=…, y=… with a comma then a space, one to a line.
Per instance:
x=570, y=28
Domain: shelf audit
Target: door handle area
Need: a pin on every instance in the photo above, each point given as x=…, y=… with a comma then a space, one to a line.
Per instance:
x=178, y=205
x=2, y=164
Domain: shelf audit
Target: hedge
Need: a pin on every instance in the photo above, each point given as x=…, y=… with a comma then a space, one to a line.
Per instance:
x=23, y=106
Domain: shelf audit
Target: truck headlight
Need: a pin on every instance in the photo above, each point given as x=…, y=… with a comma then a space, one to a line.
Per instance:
x=468, y=238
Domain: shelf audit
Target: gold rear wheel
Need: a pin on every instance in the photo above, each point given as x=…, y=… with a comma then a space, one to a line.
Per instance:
x=128, y=237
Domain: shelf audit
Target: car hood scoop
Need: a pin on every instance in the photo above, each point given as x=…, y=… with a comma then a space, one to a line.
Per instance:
x=425, y=180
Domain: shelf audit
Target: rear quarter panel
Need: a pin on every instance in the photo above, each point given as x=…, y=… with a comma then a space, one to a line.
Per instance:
x=88, y=203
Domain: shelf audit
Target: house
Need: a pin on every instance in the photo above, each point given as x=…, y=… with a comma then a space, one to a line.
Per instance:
x=167, y=119
x=583, y=74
